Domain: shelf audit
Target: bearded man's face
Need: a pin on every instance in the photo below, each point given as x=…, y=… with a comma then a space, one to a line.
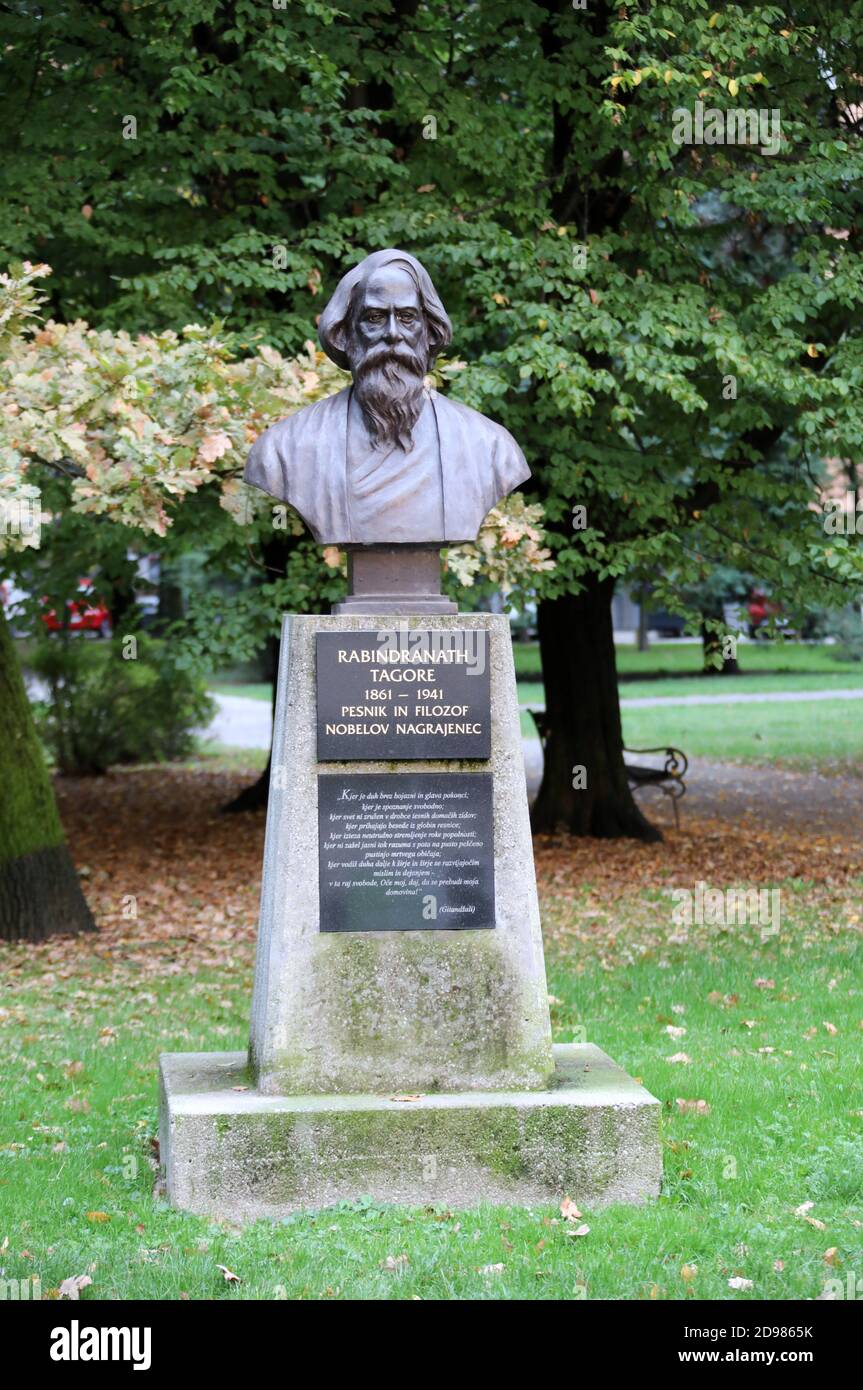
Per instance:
x=387, y=348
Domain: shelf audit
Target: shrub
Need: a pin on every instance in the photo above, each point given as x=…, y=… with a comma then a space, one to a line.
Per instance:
x=847, y=628
x=114, y=702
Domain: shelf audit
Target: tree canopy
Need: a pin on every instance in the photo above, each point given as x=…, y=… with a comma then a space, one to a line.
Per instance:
x=643, y=218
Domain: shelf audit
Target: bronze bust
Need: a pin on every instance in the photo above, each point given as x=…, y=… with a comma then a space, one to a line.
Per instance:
x=387, y=462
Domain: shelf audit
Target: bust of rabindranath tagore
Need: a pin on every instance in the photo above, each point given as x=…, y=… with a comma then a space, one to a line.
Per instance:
x=387, y=460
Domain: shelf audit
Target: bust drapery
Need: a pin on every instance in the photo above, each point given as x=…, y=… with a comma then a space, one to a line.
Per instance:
x=387, y=461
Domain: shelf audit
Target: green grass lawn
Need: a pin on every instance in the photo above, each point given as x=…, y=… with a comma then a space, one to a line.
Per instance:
x=753, y=656
x=82, y=1027
x=684, y=658
x=823, y=734
x=676, y=687
x=255, y=690
x=784, y=666
x=211, y=754
x=532, y=692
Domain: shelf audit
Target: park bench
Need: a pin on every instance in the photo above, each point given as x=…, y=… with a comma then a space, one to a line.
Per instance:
x=670, y=777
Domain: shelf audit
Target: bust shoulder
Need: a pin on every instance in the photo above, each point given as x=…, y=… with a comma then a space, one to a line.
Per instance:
x=309, y=419
x=294, y=443
x=475, y=425
x=479, y=434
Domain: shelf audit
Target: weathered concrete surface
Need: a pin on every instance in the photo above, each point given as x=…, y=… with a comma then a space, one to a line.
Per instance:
x=424, y=1010
x=455, y=1023
x=592, y=1135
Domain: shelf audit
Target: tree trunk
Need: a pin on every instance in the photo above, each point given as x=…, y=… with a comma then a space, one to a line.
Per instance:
x=40, y=894
x=170, y=609
x=643, y=642
x=711, y=645
x=253, y=797
x=584, y=788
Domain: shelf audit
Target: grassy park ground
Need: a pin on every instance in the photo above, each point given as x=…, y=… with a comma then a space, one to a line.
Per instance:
x=753, y=1046
x=827, y=734
x=666, y=668
x=683, y=659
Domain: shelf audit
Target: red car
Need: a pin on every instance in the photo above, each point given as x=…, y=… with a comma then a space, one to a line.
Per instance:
x=762, y=611
x=85, y=615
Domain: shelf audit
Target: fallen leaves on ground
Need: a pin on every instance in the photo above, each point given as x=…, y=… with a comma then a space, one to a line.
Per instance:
x=71, y=1288
x=715, y=851
x=393, y=1263
x=174, y=884
x=696, y=1107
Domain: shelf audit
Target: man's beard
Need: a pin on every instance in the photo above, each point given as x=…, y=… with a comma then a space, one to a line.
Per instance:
x=388, y=385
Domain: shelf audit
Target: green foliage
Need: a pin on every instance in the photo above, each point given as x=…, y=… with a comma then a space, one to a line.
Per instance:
x=847, y=628
x=672, y=331
x=150, y=434
x=107, y=706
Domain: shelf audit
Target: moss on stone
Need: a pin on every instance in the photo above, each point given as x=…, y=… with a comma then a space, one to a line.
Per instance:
x=267, y=1156
x=485, y=1009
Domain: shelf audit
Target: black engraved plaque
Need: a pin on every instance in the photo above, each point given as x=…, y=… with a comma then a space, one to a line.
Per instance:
x=409, y=851
x=403, y=695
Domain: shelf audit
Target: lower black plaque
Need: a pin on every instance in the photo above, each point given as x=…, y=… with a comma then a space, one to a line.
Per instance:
x=402, y=851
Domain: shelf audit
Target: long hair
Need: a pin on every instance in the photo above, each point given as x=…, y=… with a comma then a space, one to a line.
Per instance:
x=335, y=321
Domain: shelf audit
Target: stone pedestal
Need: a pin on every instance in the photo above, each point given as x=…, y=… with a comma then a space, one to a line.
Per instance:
x=591, y=1133
x=394, y=579
x=412, y=1064
x=421, y=1010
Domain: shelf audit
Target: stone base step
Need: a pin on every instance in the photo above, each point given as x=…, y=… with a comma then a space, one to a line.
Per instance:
x=593, y=1135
